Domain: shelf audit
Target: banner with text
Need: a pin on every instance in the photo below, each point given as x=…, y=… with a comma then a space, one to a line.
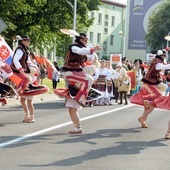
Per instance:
x=140, y=10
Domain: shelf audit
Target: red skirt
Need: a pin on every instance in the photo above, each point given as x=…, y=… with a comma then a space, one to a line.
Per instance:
x=153, y=95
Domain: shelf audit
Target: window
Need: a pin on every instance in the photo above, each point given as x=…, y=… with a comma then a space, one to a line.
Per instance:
x=113, y=21
x=105, y=30
x=92, y=15
x=98, y=54
x=98, y=37
x=106, y=21
x=105, y=47
x=91, y=37
x=99, y=18
x=112, y=40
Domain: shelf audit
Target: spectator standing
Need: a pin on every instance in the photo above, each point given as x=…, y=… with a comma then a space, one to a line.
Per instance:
x=123, y=85
x=116, y=82
x=42, y=73
x=55, y=76
x=138, y=76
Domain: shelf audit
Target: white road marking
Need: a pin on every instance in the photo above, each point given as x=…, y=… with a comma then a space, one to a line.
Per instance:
x=59, y=126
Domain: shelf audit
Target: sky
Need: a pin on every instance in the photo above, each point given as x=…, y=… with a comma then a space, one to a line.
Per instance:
x=120, y=1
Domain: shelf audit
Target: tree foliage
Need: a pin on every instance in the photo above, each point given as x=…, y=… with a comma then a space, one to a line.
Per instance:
x=42, y=19
x=159, y=26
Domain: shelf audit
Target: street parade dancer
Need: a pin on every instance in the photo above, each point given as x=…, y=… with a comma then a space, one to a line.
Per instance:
x=151, y=94
x=79, y=83
x=22, y=68
x=6, y=90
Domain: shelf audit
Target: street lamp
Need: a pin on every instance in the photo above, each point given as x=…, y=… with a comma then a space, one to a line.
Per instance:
x=75, y=15
x=120, y=33
x=74, y=7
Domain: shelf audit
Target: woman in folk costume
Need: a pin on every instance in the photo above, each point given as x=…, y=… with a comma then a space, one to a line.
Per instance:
x=138, y=76
x=151, y=94
x=104, y=75
x=90, y=68
x=27, y=101
x=33, y=65
x=124, y=84
x=110, y=83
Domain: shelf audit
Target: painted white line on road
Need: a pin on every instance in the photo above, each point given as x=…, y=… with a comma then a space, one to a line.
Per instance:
x=59, y=126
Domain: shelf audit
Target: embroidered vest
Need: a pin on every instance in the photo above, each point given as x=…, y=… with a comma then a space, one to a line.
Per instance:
x=23, y=60
x=73, y=61
x=153, y=76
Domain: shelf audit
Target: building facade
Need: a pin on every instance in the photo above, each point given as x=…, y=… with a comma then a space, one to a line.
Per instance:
x=138, y=12
x=121, y=28
x=109, y=20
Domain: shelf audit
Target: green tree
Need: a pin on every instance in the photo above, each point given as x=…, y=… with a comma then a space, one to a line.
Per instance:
x=159, y=26
x=42, y=20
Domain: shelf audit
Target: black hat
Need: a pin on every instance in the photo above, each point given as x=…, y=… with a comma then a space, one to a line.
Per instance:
x=81, y=35
x=25, y=37
x=159, y=57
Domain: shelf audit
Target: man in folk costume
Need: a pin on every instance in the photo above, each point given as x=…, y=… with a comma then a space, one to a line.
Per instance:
x=73, y=68
x=19, y=63
x=104, y=75
x=151, y=94
x=21, y=67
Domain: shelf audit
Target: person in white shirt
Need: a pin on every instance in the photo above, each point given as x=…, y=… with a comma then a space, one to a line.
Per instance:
x=151, y=94
x=19, y=63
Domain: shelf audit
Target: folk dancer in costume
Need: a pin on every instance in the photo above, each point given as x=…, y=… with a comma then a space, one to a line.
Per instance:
x=19, y=63
x=110, y=83
x=138, y=76
x=150, y=95
x=27, y=101
x=124, y=85
x=20, y=67
x=73, y=68
x=79, y=83
x=88, y=70
x=167, y=81
x=104, y=75
x=6, y=91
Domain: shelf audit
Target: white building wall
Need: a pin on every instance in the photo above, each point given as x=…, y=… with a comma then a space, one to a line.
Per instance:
x=111, y=11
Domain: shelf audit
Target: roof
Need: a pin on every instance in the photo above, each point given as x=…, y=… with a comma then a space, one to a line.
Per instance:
x=112, y=2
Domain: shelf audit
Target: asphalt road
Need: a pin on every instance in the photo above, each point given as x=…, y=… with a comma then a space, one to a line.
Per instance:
x=112, y=139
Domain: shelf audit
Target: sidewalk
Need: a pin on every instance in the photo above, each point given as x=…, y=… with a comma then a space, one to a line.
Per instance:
x=36, y=99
